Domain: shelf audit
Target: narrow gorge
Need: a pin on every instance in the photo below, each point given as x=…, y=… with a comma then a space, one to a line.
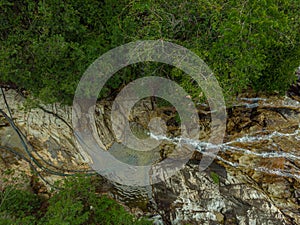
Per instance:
x=254, y=179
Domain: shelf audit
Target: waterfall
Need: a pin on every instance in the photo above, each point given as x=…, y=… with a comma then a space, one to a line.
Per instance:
x=202, y=147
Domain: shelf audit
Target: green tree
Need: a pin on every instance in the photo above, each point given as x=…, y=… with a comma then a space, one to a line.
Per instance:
x=77, y=202
x=47, y=45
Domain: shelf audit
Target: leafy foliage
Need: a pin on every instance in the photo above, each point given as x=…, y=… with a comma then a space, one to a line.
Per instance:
x=76, y=203
x=18, y=206
x=47, y=45
x=215, y=177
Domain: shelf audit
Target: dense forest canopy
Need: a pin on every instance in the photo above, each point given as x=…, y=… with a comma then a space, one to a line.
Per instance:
x=47, y=45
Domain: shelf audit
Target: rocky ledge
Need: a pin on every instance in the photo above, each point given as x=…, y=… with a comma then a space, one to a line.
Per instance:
x=254, y=179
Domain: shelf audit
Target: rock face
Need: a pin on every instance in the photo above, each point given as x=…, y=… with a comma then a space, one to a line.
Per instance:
x=192, y=197
x=254, y=180
x=294, y=91
x=49, y=137
x=50, y=140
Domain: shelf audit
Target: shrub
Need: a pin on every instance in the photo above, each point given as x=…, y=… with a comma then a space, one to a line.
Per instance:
x=76, y=203
x=18, y=203
x=47, y=45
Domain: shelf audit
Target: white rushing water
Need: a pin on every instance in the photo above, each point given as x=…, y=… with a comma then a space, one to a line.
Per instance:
x=204, y=148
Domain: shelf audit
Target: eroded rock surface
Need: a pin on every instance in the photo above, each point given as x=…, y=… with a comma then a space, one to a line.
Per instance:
x=259, y=185
x=192, y=197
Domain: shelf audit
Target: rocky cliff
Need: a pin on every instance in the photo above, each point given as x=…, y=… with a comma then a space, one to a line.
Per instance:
x=254, y=179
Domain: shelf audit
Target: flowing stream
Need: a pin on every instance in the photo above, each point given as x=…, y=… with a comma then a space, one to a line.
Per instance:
x=204, y=147
x=260, y=155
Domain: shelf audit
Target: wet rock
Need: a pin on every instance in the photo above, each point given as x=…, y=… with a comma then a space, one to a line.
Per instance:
x=48, y=136
x=259, y=190
x=193, y=196
x=254, y=189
